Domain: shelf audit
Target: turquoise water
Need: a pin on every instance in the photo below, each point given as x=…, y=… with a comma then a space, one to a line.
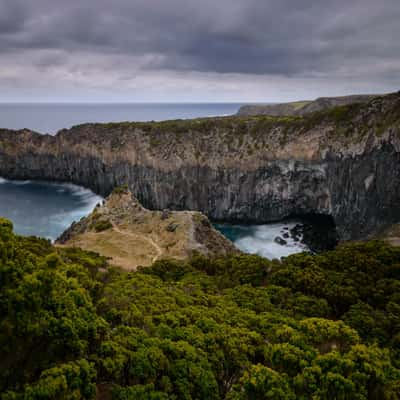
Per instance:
x=42, y=208
x=46, y=209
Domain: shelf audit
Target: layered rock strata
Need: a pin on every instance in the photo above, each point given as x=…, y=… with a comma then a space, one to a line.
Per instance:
x=343, y=162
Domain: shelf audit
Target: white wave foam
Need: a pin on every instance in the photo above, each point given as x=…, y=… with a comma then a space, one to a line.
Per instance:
x=20, y=182
x=3, y=180
x=53, y=224
x=85, y=195
x=261, y=241
x=89, y=199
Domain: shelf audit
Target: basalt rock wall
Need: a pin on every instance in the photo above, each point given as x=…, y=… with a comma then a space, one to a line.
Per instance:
x=343, y=162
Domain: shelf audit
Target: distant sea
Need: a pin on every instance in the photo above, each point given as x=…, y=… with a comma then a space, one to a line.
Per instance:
x=50, y=118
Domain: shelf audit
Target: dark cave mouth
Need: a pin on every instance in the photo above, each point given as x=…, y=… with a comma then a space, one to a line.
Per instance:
x=317, y=231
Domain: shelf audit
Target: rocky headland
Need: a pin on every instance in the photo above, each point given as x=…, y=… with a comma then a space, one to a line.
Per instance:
x=131, y=236
x=302, y=107
x=343, y=162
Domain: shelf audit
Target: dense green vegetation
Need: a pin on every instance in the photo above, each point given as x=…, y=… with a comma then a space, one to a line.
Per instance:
x=241, y=327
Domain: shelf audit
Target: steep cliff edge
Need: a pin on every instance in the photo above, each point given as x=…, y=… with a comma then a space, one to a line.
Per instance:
x=131, y=236
x=343, y=162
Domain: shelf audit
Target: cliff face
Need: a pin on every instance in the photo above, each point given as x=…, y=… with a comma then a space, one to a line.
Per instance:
x=344, y=162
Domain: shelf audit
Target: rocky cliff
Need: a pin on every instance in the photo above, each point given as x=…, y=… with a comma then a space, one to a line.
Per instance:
x=131, y=236
x=343, y=162
x=302, y=107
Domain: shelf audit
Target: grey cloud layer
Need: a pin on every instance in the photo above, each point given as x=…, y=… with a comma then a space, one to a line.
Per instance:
x=244, y=36
x=293, y=38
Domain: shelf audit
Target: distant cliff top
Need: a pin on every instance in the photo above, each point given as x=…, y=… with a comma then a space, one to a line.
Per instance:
x=302, y=107
x=247, y=142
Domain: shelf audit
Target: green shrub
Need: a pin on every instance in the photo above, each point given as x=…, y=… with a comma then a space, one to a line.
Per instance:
x=101, y=226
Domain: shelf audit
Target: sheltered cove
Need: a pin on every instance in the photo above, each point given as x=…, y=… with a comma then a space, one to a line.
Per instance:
x=342, y=162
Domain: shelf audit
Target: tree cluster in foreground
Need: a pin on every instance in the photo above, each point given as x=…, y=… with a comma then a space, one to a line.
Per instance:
x=234, y=328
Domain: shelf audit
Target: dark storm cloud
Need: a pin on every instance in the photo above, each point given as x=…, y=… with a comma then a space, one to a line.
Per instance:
x=235, y=36
x=284, y=47
x=11, y=16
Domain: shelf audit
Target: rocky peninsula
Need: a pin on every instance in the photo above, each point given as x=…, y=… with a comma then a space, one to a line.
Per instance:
x=129, y=235
x=342, y=162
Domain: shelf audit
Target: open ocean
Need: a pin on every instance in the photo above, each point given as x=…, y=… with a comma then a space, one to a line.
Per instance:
x=50, y=118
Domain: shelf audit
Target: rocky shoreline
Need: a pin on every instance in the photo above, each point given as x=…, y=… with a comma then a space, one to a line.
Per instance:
x=342, y=162
x=316, y=235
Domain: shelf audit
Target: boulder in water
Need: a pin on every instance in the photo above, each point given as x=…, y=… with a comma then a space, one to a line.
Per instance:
x=280, y=241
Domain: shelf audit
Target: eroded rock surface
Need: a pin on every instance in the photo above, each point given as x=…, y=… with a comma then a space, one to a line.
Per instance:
x=343, y=162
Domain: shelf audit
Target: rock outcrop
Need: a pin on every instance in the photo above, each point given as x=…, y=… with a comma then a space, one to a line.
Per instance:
x=131, y=236
x=343, y=162
x=302, y=107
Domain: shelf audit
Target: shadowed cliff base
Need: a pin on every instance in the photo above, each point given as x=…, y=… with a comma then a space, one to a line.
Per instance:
x=342, y=162
x=317, y=231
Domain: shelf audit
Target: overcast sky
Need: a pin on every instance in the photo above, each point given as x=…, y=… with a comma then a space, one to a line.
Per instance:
x=203, y=50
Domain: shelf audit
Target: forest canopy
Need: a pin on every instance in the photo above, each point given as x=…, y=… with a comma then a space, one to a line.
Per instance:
x=241, y=327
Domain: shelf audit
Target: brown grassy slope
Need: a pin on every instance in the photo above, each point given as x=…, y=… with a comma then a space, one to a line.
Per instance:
x=133, y=236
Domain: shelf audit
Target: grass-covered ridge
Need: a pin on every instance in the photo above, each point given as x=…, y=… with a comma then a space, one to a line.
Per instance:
x=249, y=137
x=242, y=327
x=242, y=124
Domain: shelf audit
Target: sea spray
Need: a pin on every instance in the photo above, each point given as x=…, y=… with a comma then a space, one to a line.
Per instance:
x=261, y=239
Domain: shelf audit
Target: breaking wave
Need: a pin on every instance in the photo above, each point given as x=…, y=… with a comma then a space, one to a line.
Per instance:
x=44, y=209
x=260, y=239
